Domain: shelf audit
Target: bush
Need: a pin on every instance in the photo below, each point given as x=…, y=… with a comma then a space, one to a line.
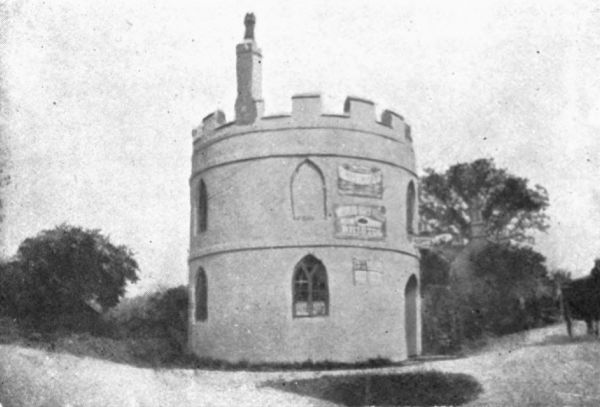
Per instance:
x=509, y=292
x=169, y=311
x=9, y=283
x=441, y=320
x=157, y=322
x=435, y=269
x=440, y=313
x=65, y=277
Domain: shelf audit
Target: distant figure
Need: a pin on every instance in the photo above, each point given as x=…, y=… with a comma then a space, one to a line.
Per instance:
x=580, y=300
x=249, y=22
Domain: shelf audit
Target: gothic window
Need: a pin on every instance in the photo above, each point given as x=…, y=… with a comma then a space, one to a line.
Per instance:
x=201, y=295
x=202, y=208
x=308, y=192
x=410, y=208
x=310, y=292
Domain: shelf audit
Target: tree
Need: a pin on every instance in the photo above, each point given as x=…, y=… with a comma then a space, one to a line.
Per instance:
x=69, y=270
x=477, y=194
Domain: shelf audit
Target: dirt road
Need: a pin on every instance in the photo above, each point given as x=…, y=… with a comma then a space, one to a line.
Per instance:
x=542, y=367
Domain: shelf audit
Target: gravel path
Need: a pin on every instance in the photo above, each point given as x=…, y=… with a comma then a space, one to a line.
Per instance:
x=542, y=367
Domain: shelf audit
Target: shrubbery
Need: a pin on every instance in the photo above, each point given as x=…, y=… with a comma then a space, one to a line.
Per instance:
x=156, y=322
x=59, y=289
x=441, y=320
x=513, y=288
x=439, y=307
x=9, y=288
x=508, y=291
x=435, y=268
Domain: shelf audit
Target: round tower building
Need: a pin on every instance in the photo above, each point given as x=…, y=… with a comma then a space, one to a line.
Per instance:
x=301, y=227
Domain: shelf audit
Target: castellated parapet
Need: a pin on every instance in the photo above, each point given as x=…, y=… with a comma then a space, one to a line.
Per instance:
x=301, y=231
x=391, y=132
x=307, y=110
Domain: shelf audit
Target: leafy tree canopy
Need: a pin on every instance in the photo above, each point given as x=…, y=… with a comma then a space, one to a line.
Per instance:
x=479, y=194
x=66, y=269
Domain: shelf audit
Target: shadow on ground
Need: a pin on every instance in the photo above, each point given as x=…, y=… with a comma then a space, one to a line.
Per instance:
x=565, y=340
x=428, y=388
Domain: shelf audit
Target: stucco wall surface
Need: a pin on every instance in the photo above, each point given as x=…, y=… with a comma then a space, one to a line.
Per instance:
x=250, y=308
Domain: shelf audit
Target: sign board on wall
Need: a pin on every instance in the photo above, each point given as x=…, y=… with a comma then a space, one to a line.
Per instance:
x=367, y=271
x=360, y=181
x=360, y=222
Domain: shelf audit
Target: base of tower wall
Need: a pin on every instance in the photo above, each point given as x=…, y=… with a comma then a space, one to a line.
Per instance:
x=250, y=318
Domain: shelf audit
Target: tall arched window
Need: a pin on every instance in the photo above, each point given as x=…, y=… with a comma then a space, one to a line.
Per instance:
x=201, y=295
x=310, y=291
x=202, y=208
x=308, y=192
x=410, y=208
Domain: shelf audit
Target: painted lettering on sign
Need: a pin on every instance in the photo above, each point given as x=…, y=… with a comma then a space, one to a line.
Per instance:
x=360, y=181
x=367, y=271
x=360, y=222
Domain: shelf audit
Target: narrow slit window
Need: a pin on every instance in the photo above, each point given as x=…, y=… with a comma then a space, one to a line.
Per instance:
x=202, y=208
x=410, y=208
x=201, y=296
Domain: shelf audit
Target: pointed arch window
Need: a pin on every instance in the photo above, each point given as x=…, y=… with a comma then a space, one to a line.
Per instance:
x=201, y=296
x=410, y=208
x=308, y=192
x=202, y=208
x=310, y=289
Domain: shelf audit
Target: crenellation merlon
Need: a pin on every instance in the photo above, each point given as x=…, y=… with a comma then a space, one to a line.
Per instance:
x=212, y=121
x=395, y=121
x=359, y=109
x=305, y=106
x=391, y=119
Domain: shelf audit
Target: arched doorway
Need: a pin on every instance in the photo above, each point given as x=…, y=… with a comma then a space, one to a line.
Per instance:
x=410, y=315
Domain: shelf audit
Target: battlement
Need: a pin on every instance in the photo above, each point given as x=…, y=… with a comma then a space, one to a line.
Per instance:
x=210, y=123
x=306, y=106
x=307, y=111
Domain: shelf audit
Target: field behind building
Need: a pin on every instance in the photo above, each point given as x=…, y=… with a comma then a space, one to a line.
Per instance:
x=540, y=367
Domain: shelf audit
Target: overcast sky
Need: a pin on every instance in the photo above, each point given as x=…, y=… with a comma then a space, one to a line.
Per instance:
x=103, y=95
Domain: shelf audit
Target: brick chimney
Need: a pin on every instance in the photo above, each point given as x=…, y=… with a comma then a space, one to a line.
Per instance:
x=249, y=104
